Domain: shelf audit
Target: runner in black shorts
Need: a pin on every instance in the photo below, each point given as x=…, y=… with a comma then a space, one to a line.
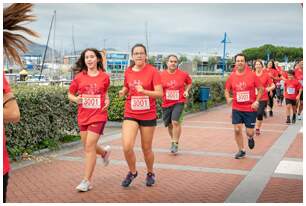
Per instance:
x=242, y=83
x=293, y=90
x=176, y=85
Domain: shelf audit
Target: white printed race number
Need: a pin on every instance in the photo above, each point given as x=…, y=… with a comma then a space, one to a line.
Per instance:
x=243, y=96
x=290, y=90
x=91, y=101
x=172, y=95
x=140, y=103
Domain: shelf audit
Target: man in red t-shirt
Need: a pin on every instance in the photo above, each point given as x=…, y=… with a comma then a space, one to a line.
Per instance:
x=11, y=114
x=242, y=84
x=176, y=85
x=293, y=90
x=298, y=73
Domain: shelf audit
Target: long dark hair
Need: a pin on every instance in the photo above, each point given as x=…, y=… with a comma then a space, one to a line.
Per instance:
x=273, y=65
x=80, y=64
x=132, y=63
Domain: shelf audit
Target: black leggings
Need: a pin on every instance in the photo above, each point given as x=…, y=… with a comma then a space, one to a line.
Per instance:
x=5, y=182
x=271, y=98
x=261, y=109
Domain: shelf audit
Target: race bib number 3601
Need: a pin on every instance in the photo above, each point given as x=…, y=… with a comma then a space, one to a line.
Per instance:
x=243, y=96
x=172, y=95
x=140, y=103
x=91, y=101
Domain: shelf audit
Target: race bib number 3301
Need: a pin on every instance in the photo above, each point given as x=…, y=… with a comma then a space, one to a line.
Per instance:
x=243, y=96
x=91, y=101
x=140, y=103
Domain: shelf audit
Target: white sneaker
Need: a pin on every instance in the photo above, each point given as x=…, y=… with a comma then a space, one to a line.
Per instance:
x=105, y=158
x=84, y=186
x=299, y=117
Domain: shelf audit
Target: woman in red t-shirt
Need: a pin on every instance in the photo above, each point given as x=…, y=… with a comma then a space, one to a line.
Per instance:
x=272, y=72
x=89, y=90
x=268, y=86
x=142, y=85
x=11, y=114
x=298, y=73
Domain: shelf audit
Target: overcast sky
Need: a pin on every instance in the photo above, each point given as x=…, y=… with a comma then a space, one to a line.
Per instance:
x=171, y=27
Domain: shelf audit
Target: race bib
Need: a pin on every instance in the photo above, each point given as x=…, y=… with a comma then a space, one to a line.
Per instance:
x=91, y=101
x=172, y=95
x=243, y=96
x=290, y=90
x=140, y=103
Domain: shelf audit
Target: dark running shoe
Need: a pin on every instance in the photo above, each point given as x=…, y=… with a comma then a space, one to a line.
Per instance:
x=265, y=114
x=240, y=154
x=293, y=118
x=288, y=120
x=150, y=180
x=128, y=179
x=251, y=143
x=271, y=113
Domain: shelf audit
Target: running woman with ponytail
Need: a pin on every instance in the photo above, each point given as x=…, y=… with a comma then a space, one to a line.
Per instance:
x=272, y=72
x=89, y=90
x=142, y=85
x=268, y=86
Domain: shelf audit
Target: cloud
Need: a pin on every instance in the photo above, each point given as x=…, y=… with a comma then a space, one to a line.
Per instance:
x=171, y=27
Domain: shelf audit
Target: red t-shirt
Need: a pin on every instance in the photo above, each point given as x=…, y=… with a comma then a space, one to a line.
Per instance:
x=243, y=89
x=137, y=105
x=92, y=91
x=279, y=70
x=266, y=82
x=298, y=73
x=284, y=74
x=6, y=163
x=292, y=88
x=272, y=73
x=174, y=86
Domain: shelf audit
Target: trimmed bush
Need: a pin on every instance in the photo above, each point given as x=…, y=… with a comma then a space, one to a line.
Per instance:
x=47, y=116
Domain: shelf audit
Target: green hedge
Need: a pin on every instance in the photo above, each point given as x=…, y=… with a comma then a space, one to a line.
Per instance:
x=47, y=116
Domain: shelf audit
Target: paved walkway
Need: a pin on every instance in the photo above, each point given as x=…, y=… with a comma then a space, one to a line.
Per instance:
x=203, y=171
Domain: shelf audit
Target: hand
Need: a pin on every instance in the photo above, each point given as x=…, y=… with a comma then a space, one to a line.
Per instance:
x=255, y=105
x=185, y=94
x=139, y=88
x=271, y=93
x=229, y=100
x=121, y=93
x=297, y=98
x=106, y=104
x=78, y=99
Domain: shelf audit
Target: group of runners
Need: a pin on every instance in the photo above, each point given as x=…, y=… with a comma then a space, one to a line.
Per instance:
x=252, y=92
x=142, y=85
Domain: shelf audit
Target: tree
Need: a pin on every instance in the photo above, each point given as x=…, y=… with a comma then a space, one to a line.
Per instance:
x=152, y=60
x=277, y=53
x=182, y=59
